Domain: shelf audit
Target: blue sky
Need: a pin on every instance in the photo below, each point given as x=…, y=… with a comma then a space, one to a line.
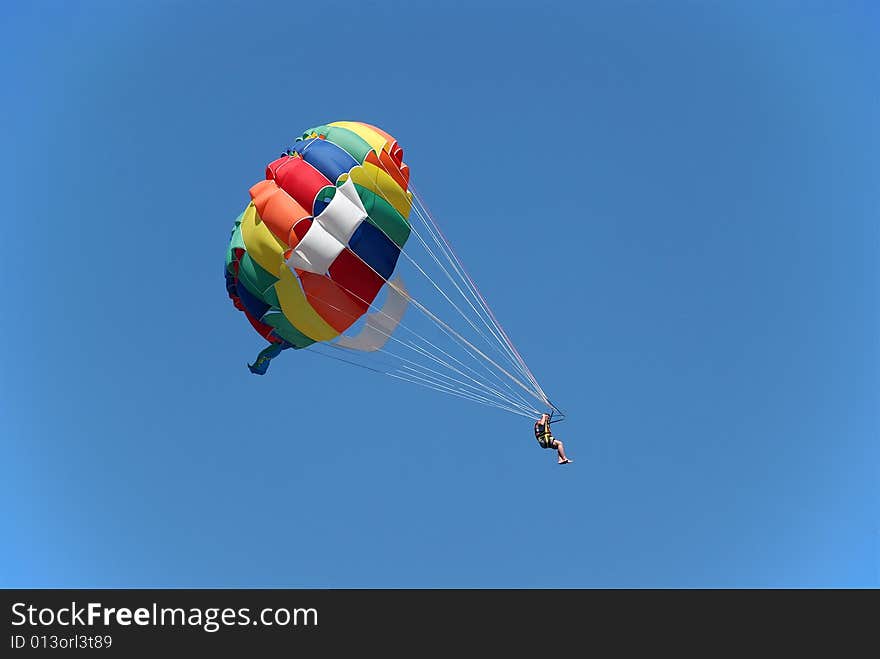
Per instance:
x=690, y=189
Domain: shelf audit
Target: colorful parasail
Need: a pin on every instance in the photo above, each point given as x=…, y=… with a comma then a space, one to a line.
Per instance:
x=313, y=262
x=320, y=238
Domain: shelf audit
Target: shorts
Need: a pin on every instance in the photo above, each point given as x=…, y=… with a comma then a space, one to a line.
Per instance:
x=547, y=441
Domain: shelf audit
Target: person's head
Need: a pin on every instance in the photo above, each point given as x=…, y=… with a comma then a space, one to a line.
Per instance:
x=545, y=417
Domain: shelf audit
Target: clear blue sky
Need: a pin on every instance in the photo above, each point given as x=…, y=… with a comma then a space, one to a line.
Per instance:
x=700, y=179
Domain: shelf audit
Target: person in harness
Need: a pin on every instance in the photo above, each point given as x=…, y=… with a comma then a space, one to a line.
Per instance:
x=547, y=440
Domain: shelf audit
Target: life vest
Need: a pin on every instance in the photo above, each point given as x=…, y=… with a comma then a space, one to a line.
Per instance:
x=542, y=432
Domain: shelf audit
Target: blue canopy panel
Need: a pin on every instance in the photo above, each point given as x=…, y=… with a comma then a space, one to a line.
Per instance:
x=331, y=160
x=375, y=249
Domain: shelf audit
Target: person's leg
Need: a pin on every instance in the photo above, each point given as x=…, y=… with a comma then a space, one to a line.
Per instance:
x=560, y=450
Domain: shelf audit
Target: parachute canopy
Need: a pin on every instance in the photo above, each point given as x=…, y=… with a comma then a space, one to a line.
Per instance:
x=313, y=263
x=321, y=235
